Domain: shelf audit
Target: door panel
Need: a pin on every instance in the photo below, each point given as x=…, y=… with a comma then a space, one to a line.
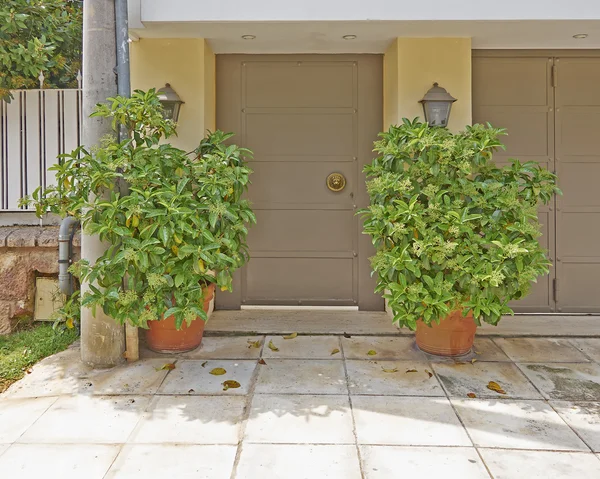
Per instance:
x=278, y=136
x=288, y=279
x=304, y=117
x=299, y=84
x=516, y=94
x=578, y=169
x=287, y=183
x=302, y=230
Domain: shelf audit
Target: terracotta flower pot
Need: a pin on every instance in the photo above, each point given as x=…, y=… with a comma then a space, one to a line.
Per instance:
x=452, y=337
x=163, y=337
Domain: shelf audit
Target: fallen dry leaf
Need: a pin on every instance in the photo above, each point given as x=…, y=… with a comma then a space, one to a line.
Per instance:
x=371, y=352
x=290, y=336
x=473, y=361
x=411, y=370
x=190, y=391
x=459, y=362
x=218, y=372
x=429, y=373
x=335, y=351
x=169, y=366
x=477, y=352
x=347, y=336
x=253, y=344
x=394, y=370
x=272, y=347
x=471, y=395
x=230, y=384
x=262, y=361
x=204, y=364
x=494, y=386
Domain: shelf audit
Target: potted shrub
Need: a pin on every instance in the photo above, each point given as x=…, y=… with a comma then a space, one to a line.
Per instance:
x=179, y=231
x=456, y=236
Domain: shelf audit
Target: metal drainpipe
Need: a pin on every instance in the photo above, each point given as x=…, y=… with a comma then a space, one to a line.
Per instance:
x=124, y=89
x=65, y=254
x=122, y=34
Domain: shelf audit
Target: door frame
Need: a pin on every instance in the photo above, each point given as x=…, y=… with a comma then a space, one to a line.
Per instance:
x=229, y=105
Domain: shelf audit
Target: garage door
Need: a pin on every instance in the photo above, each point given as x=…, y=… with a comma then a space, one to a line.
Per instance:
x=305, y=118
x=550, y=106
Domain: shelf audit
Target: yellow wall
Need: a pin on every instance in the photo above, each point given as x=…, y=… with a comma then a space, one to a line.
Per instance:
x=412, y=65
x=390, y=86
x=189, y=66
x=210, y=98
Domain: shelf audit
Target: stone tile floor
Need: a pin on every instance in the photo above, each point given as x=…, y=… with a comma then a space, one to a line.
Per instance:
x=319, y=407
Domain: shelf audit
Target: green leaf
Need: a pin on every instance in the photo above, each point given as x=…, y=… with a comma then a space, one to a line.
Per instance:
x=164, y=235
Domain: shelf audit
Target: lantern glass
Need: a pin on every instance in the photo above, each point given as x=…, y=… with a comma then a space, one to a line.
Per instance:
x=437, y=103
x=169, y=110
x=170, y=102
x=437, y=113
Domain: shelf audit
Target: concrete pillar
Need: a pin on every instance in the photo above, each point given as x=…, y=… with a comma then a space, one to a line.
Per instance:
x=102, y=339
x=412, y=65
x=188, y=65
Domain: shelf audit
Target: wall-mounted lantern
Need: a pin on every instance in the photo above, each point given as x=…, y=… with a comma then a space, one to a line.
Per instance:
x=437, y=103
x=170, y=101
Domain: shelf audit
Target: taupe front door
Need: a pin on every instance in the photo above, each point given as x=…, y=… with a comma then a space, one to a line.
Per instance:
x=550, y=106
x=304, y=117
x=577, y=123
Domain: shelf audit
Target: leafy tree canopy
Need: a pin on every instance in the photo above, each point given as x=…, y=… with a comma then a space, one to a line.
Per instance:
x=39, y=36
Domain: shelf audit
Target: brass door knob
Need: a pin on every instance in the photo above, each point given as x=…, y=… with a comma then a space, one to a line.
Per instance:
x=336, y=182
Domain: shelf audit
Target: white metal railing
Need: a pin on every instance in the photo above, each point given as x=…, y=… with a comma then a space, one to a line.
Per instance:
x=35, y=127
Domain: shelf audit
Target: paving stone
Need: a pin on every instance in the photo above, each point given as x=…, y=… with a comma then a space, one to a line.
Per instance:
x=589, y=346
x=272, y=461
x=484, y=349
x=142, y=377
x=584, y=418
x=177, y=461
x=516, y=424
x=191, y=420
x=301, y=376
x=540, y=350
x=88, y=420
x=212, y=347
x=400, y=347
x=369, y=377
x=462, y=379
x=74, y=461
x=63, y=373
x=303, y=347
x=385, y=462
x=233, y=347
x=3, y=447
x=190, y=377
x=407, y=421
x=300, y=419
x=505, y=464
x=567, y=381
x=16, y=415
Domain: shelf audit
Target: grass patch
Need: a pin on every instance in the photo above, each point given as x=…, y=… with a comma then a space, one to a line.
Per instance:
x=22, y=349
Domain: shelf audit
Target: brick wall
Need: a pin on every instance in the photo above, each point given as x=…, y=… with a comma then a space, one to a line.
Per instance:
x=26, y=252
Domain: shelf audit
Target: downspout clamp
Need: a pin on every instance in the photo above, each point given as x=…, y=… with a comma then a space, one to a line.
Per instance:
x=66, y=232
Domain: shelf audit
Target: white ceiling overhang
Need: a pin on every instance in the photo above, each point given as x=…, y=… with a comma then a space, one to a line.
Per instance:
x=313, y=26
